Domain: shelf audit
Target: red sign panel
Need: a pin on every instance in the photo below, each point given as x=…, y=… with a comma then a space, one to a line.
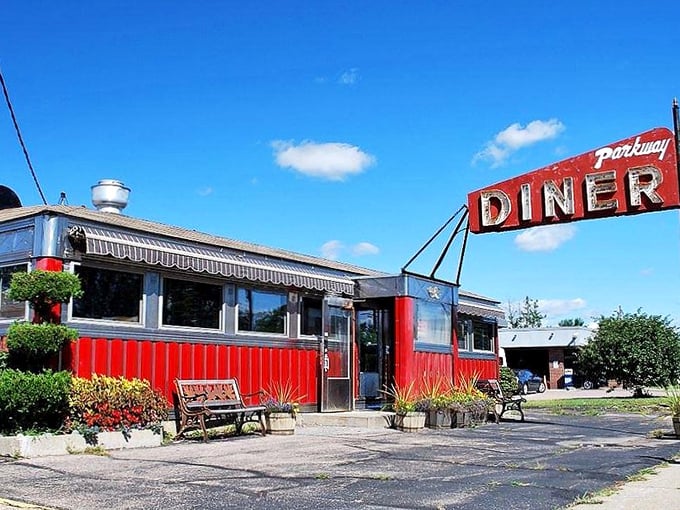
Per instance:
x=636, y=175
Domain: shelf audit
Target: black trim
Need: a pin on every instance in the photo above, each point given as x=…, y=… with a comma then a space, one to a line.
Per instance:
x=477, y=355
x=423, y=347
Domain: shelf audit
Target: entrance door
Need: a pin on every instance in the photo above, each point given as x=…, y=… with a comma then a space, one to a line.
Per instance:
x=374, y=336
x=336, y=381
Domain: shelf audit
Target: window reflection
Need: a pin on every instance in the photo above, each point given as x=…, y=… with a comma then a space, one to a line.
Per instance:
x=261, y=311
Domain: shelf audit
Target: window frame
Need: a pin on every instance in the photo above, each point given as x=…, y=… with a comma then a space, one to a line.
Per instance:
x=301, y=316
x=108, y=322
x=204, y=281
x=268, y=290
x=27, y=310
x=490, y=326
x=426, y=345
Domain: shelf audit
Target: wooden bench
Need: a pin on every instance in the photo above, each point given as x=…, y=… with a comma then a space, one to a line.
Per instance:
x=201, y=399
x=492, y=388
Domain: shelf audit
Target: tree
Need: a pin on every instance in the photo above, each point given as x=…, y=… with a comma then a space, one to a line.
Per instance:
x=568, y=323
x=526, y=315
x=636, y=349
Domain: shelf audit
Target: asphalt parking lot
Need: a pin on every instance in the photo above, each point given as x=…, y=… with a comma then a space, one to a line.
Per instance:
x=547, y=462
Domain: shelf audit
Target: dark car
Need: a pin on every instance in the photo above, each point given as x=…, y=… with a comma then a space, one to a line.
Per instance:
x=528, y=382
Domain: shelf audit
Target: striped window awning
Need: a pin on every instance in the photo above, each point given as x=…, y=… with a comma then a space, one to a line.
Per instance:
x=482, y=311
x=216, y=261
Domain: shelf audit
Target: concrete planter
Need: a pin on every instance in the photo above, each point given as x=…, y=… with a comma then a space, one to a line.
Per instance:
x=280, y=424
x=62, y=444
x=676, y=425
x=409, y=422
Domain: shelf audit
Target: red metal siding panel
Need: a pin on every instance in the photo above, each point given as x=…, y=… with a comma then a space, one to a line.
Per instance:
x=483, y=368
x=210, y=369
x=146, y=359
x=101, y=356
x=117, y=360
x=131, y=357
x=404, y=370
x=49, y=264
x=161, y=381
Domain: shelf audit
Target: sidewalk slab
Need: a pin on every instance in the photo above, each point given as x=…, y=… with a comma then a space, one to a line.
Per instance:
x=656, y=491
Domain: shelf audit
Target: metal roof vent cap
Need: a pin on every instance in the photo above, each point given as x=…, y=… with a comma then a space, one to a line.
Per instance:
x=110, y=195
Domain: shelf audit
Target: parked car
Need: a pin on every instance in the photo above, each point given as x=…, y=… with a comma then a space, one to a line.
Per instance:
x=588, y=382
x=528, y=382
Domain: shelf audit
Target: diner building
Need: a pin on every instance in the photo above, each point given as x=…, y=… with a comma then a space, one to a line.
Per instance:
x=162, y=302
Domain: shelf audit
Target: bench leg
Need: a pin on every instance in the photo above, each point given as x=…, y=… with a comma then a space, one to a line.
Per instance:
x=263, y=423
x=201, y=421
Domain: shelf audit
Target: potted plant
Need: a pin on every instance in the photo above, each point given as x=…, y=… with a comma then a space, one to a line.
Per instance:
x=673, y=403
x=407, y=405
x=282, y=404
x=436, y=399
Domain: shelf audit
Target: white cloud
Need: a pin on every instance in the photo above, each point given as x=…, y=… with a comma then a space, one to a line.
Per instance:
x=515, y=136
x=560, y=307
x=334, y=249
x=545, y=238
x=205, y=191
x=333, y=161
x=331, y=249
x=647, y=271
x=349, y=77
x=365, y=249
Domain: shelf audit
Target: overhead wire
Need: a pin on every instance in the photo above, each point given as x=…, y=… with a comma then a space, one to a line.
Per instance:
x=21, y=139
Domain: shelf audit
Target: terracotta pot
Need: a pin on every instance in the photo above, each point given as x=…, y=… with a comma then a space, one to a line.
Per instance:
x=280, y=424
x=409, y=422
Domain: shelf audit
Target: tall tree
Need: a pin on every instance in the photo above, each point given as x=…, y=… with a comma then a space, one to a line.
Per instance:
x=636, y=349
x=568, y=323
x=525, y=315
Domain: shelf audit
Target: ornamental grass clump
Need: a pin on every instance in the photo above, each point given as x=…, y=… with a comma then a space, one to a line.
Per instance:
x=436, y=393
x=672, y=400
x=404, y=398
x=281, y=398
x=109, y=403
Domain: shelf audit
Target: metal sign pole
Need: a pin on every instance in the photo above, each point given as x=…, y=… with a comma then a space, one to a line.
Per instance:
x=676, y=128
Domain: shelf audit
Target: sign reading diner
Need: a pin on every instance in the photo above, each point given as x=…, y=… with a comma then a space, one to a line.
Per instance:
x=632, y=176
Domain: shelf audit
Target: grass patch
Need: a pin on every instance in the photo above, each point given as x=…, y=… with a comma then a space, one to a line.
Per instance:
x=597, y=406
x=641, y=475
x=100, y=451
x=322, y=476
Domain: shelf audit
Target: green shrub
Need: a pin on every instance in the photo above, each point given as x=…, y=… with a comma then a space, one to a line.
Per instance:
x=110, y=403
x=44, y=289
x=508, y=381
x=33, y=402
x=31, y=345
x=3, y=359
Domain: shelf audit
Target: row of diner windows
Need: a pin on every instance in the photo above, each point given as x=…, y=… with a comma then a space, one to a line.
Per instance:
x=118, y=296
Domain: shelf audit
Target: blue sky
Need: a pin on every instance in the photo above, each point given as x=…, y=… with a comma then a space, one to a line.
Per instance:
x=353, y=130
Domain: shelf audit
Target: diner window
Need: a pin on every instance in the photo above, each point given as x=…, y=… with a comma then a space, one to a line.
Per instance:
x=483, y=336
x=433, y=322
x=465, y=332
x=311, y=314
x=10, y=309
x=261, y=311
x=191, y=304
x=109, y=295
